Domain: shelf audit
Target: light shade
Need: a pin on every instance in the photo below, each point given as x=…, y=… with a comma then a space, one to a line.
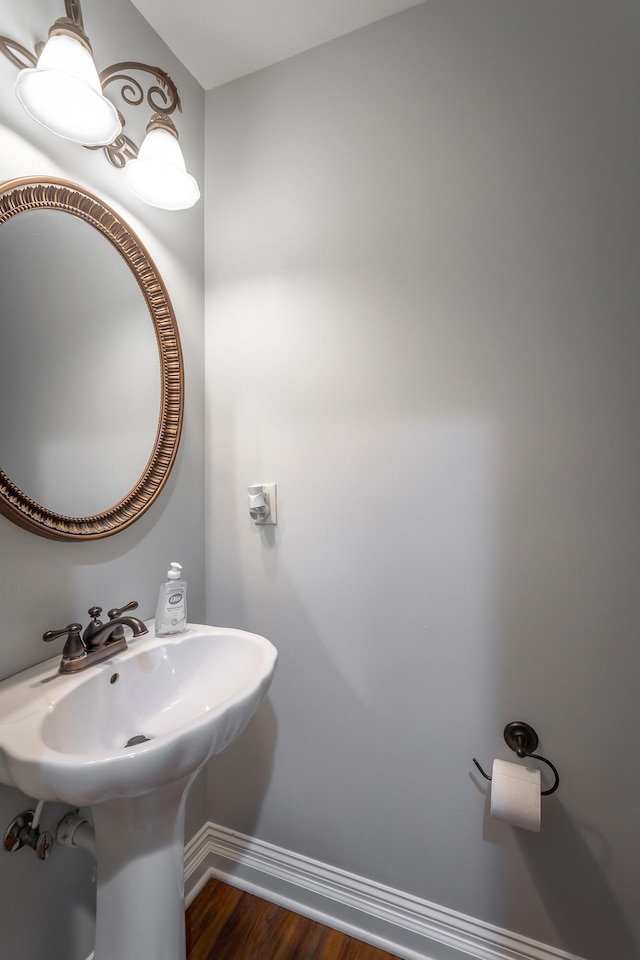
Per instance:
x=158, y=175
x=64, y=94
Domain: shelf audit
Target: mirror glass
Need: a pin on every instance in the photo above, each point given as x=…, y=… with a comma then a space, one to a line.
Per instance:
x=91, y=384
x=79, y=370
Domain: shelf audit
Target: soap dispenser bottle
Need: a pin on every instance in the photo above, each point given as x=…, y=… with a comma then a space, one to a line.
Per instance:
x=171, y=612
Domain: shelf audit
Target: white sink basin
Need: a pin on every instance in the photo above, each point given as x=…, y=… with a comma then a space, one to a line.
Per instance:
x=64, y=737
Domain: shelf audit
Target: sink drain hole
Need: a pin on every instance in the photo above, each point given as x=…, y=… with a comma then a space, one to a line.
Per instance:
x=134, y=741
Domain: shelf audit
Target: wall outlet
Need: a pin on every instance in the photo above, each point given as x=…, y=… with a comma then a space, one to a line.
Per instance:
x=270, y=493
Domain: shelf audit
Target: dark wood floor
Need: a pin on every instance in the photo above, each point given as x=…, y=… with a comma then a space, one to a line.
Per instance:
x=224, y=923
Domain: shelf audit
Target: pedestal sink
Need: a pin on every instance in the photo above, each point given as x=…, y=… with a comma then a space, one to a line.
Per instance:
x=127, y=738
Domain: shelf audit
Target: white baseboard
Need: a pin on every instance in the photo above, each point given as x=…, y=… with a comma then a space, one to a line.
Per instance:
x=397, y=922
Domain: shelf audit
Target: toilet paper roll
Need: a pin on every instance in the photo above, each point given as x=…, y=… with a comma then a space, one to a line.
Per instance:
x=515, y=795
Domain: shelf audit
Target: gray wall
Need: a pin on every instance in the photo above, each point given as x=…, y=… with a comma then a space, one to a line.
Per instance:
x=422, y=323
x=46, y=584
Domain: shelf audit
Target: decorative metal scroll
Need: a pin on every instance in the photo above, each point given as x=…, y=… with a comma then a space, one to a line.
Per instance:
x=162, y=98
x=18, y=54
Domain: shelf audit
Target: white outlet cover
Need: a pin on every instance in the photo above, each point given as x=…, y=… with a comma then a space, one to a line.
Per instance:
x=271, y=493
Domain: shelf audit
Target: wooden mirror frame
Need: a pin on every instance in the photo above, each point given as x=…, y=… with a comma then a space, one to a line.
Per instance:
x=38, y=193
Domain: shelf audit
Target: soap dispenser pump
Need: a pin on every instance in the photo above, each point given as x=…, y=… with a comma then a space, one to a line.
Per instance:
x=171, y=612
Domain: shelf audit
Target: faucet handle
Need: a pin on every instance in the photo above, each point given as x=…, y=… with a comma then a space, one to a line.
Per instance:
x=74, y=647
x=118, y=611
x=73, y=628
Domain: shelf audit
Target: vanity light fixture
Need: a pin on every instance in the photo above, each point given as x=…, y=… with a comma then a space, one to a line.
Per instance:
x=59, y=87
x=158, y=174
x=63, y=91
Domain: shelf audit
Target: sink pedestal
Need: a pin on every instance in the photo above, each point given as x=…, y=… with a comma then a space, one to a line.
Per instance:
x=140, y=875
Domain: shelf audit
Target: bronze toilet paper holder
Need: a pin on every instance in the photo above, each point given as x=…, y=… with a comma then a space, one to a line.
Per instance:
x=522, y=738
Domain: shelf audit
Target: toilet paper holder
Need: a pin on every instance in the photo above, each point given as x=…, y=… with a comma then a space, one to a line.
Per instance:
x=522, y=738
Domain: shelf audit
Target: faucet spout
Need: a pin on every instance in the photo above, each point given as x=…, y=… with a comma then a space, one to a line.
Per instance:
x=112, y=631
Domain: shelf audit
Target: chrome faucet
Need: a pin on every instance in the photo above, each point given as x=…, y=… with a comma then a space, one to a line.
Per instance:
x=100, y=641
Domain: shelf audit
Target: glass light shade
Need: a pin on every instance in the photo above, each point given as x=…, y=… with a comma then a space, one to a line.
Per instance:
x=159, y=176
x=63, y=93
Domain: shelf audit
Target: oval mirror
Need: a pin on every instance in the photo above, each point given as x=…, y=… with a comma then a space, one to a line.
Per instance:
x=91, y=378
